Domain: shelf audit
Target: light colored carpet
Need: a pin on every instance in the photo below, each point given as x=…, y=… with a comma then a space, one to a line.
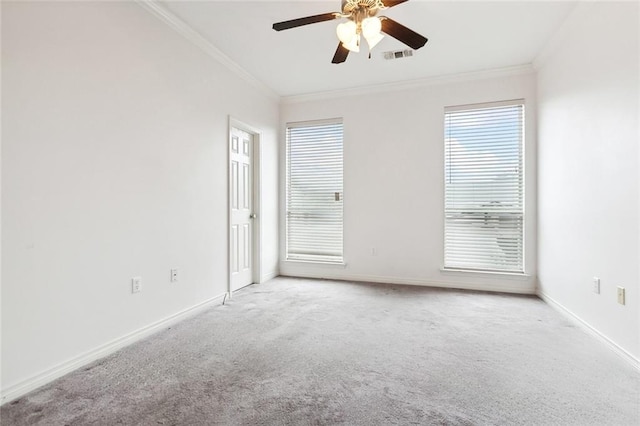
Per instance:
x=307, y=352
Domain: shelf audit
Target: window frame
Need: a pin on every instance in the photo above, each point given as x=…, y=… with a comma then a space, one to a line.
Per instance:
x=311, y=258
x=458, y=266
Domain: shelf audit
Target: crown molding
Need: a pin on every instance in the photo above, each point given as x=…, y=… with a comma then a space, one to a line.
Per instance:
x=552, y=44
x=411, y=84
x=182, y=28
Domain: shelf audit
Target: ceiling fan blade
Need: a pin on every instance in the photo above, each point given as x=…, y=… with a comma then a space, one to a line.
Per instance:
x=391, y=3
x=341, y=54
x=402, y=33
x=285, y=25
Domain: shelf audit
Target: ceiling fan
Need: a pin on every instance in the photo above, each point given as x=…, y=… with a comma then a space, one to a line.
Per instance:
x=362, y=21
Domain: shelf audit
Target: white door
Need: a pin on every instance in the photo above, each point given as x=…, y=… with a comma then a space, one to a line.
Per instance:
x=241, y=202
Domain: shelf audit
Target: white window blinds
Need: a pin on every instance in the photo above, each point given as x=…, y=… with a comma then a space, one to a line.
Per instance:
x=484, y=183
x=314, y=191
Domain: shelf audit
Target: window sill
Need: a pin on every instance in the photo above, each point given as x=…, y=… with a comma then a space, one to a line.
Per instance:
x=513, y=275
x=314, y=263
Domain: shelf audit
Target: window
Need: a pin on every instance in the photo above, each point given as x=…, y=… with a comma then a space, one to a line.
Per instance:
x=484, y=181
x=314, y=191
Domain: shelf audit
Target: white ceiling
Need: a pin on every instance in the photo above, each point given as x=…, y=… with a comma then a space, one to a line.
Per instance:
x=464, y=36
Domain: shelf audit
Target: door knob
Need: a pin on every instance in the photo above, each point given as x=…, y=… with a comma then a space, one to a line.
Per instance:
x=252, y=216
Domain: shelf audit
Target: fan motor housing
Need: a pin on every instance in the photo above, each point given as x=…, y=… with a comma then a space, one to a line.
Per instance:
x=371, y=6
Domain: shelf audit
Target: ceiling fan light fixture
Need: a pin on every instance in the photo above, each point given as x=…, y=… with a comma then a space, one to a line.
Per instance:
x=371, y=26
x=353, y=44
x=347, y=31
x=373, y=40
x=361, y=21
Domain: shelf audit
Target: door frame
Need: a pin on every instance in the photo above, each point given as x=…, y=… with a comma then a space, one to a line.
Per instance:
x=256, y=267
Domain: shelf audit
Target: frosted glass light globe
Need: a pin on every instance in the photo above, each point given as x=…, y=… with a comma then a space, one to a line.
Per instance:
x=371, y=27
x=353, y=44
x=373, y=40
x=346, y=31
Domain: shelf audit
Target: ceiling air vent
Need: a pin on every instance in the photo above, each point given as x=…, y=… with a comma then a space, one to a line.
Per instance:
x=398, y=54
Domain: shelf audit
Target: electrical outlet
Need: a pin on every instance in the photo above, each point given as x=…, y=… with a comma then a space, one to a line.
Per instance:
x=621, y=295
x=174, y=275
x=136, y=284
x=596, y=285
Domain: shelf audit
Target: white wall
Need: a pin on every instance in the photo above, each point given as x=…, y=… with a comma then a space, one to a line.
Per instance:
x=588, y=157
x=394, y=182
x=114, y=165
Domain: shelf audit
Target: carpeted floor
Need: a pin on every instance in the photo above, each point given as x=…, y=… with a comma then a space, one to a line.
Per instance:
x=306, y=352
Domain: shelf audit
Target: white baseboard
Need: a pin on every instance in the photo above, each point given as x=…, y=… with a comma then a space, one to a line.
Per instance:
x=635, y=362
x=269, y=276
x=34, y=382
x=495, y=285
